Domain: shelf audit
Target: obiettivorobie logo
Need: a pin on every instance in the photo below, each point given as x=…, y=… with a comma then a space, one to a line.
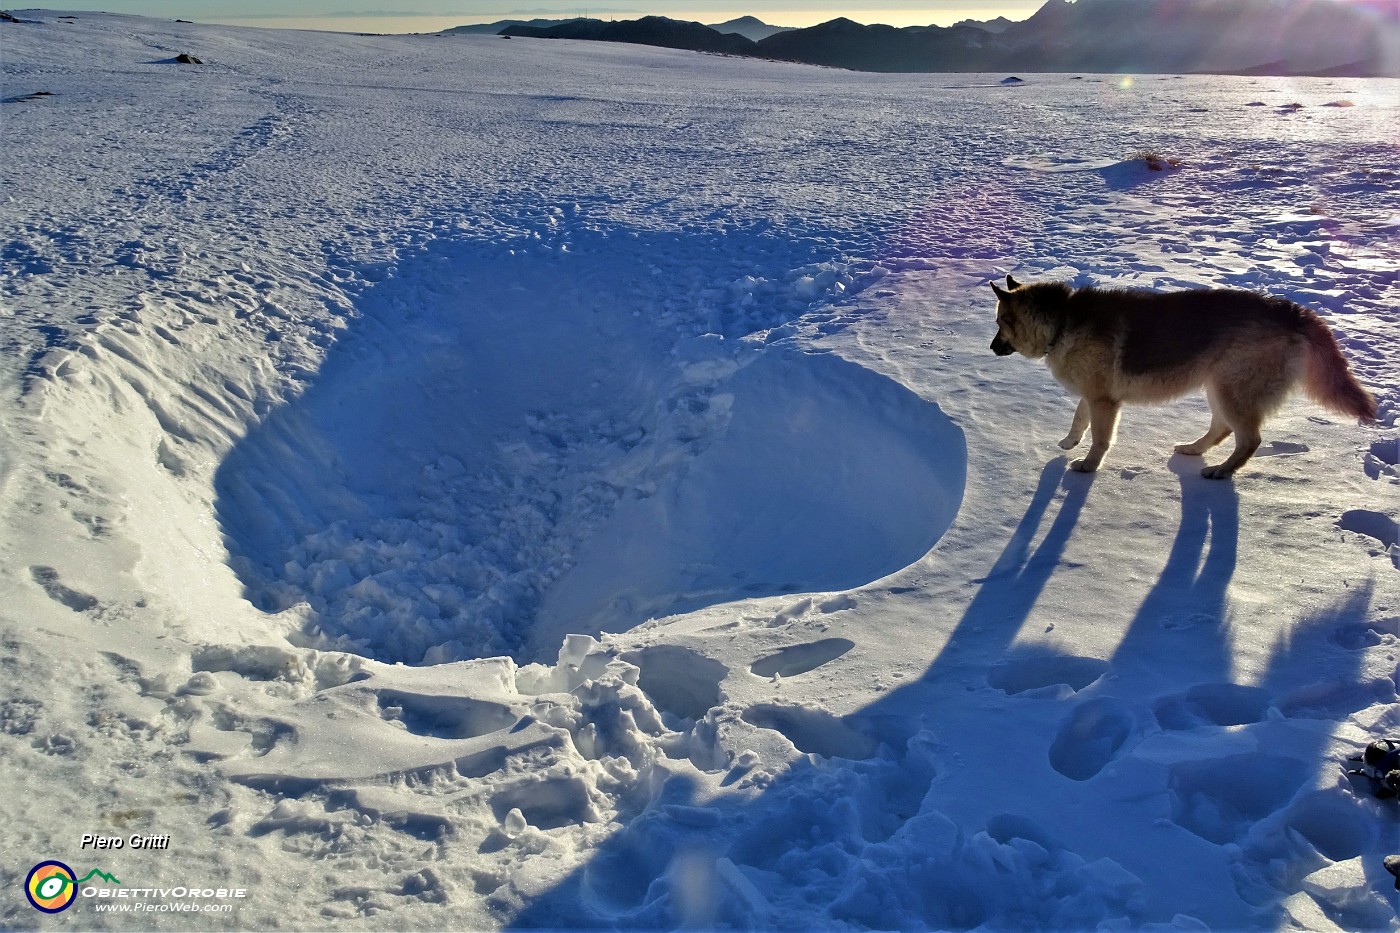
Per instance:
x=52, y=886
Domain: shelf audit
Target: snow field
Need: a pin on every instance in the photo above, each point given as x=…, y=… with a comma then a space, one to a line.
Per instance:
x=477, y=484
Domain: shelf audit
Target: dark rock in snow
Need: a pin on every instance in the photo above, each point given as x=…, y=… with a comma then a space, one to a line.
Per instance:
x=1381, y=763
x=186, y=58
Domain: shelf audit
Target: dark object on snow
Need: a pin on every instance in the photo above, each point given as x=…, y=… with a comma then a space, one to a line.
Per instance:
x=37, y=95
x=7, y=17
x=1392, y=865
x=1381, y=763
x=1012, y=80
x=185, y=58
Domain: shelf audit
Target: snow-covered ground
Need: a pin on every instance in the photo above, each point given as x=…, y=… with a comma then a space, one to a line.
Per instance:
x=458, y=483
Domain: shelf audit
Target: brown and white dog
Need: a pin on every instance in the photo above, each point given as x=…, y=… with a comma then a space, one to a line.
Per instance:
x=1124, y=346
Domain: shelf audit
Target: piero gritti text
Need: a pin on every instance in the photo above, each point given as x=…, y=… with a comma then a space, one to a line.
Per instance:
x=134, y=841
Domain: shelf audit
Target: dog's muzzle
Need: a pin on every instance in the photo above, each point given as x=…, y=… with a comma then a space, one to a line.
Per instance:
x=1001, y=346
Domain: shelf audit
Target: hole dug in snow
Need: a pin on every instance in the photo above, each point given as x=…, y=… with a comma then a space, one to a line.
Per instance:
x=507, y=448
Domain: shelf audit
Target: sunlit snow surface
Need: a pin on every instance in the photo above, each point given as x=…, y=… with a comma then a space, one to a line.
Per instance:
x=458, y=483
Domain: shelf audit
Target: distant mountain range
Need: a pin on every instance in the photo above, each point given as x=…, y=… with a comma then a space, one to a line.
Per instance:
x=1359, y=38
x=649, y=30
x=494, y=29
x=750, y=27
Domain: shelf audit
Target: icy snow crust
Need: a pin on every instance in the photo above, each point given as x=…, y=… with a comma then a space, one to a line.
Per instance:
x=458, y=483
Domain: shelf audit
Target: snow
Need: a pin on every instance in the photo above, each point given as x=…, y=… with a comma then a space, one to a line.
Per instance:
x=464, y=484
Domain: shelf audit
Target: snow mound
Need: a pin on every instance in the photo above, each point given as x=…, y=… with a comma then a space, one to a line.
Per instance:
x=1117, y=172
x=1056, y=164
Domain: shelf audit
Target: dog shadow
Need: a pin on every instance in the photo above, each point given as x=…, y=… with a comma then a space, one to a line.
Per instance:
x=870, y=784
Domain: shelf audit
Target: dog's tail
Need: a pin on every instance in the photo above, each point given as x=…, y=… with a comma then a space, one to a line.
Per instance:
x=1328, y=379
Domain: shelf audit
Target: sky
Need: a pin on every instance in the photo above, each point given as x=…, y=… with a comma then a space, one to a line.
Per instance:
x=433, y=15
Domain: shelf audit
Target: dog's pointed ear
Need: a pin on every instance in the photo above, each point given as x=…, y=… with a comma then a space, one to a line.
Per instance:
x=1001, y=293
x=1012, y=283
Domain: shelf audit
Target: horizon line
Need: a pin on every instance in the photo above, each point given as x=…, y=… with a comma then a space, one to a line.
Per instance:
x=423, y=22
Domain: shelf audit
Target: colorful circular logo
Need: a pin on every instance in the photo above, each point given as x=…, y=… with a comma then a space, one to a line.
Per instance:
x=51, y=887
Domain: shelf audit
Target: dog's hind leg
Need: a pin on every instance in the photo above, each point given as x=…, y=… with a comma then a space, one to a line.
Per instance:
x=1247, y=440
x=1077, y=426
x=1219, y=430
x=1254, y=389
x=1103, y=422
x=1244, y=417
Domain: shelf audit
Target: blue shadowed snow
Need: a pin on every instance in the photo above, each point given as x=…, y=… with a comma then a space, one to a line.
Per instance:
x=512, y=444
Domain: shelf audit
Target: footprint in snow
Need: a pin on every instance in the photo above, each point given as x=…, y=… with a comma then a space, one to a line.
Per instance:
x=1091, y=737
x=1376, y=526
x=1358, y=636
x=677, y=680
x=55, y=589
x=799, y=659
x=1219, y=799
x=1033, y=676
x=1212, y=705
x=443, y=717
x=813, y=731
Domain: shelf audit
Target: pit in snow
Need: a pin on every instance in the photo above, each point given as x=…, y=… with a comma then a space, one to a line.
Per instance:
x=513, y=445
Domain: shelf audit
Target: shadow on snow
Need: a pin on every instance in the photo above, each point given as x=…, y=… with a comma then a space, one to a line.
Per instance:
x=512, y=442
x=860, y=830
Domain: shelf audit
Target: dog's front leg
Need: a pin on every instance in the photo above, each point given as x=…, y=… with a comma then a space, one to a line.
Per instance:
x=1103, y=422
x=1077, y=426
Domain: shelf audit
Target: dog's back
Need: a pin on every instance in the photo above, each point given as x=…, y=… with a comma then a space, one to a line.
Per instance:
x=1156, y=332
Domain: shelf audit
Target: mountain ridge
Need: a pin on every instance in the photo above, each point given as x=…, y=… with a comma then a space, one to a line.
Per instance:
x=1243, y=37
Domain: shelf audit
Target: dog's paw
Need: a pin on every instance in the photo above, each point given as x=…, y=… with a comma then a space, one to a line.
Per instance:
x=1190, y=450
x=1217, y=472
x=1083, y=465
x=1070, y=442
